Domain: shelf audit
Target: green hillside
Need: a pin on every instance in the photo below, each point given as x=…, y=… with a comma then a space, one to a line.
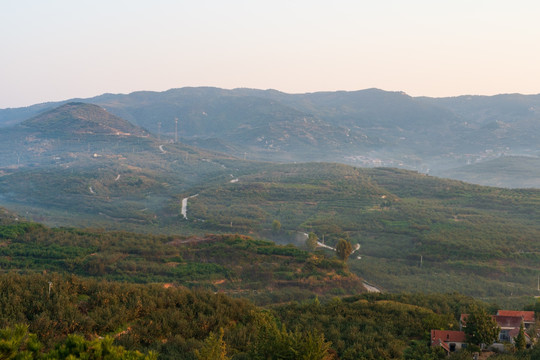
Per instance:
x=235, y=264
x=416, y=232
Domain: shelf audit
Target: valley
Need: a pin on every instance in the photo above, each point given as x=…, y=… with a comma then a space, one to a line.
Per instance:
x=91, y=200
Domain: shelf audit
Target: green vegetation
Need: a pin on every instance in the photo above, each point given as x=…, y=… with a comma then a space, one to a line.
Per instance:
x=417, y=232
x=257, y=269
x=73, y=313
x=72, y=293
x=520, y=340
x=18, y=344
x=311, y=241
x=481, y=329
x=343, y=249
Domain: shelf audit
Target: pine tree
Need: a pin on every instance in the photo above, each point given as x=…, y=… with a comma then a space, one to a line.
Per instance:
x=520, y=341
x=214, y=348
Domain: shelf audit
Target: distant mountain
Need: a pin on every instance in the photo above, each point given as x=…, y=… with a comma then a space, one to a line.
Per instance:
x=82, y=119
x=365, y=128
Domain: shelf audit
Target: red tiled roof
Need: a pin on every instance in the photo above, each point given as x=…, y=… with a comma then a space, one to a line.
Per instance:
x=442, y=344
x=508, y=321
x=446, y=336
x=527, y=316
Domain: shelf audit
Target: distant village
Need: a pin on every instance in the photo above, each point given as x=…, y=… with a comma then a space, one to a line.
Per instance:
x=510, y=324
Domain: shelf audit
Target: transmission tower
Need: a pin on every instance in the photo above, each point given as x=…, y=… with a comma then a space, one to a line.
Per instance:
x=176, y=130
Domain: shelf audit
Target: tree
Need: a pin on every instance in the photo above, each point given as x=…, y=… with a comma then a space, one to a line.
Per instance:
x=343, y=249
x=311, y=241
x=480, y=327
x=276, y=226
x=214, y=348
x=17, y=343
x=77, y=347
x=274, y=342
x=520, y=341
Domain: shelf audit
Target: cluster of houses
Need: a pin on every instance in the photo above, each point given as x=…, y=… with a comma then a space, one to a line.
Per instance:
x=509, y=322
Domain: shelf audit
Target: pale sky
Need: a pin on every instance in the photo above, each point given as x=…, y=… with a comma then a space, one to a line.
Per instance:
x=59, y=49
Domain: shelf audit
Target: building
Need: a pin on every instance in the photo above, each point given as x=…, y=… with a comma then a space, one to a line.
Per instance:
x=509, y=322
x=449, y=340
x=528, y=316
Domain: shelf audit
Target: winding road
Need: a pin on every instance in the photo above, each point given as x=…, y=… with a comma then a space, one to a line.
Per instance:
x=370, y=288
x=184, y=205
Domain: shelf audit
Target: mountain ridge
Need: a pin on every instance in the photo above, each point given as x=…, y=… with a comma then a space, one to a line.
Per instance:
x=370, y=127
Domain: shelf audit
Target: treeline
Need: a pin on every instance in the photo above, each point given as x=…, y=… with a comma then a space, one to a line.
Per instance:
x=68, y=312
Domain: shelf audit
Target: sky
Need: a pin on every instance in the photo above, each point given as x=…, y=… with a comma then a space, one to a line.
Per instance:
x=60, y=49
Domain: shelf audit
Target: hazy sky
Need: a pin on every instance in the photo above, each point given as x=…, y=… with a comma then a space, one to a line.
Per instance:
x=59, y=49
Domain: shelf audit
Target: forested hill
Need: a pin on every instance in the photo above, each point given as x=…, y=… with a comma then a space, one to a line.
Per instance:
x=90, y=318
x=256, y=269
x=367, y=128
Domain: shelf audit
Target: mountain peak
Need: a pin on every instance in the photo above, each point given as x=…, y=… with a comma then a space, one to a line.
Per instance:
x=82, y=118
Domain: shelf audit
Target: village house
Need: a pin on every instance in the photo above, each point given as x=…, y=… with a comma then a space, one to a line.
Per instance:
x=528, y=316
x=449, y=340
x=509, y=322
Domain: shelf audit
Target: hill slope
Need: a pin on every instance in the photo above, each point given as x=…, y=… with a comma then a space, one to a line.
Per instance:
x=236, y=264
x=75, y=119
x=78, y=164
x=415, y=231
